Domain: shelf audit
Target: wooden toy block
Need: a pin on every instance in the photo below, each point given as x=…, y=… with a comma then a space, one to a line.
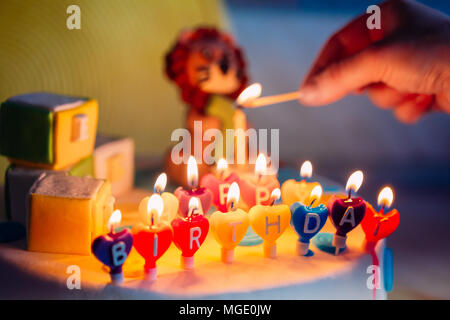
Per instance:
x=46, y=130
x=84, y=168
x=18, y=182
x=67, y=213
x=114, y=161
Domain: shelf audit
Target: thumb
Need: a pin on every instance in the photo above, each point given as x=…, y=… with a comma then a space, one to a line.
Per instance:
x=342, y=77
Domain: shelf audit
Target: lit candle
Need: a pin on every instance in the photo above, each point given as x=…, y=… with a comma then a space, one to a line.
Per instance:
x=203, y=194
x=293, y=191
x=269, y=222
x=153, y=240
x=256, y=189
x=113, y=248
x=346, y=213
x=308, y=220
x=229, y=228
x=170, y=207
x=190, y=232
x=379, y=225
x=219, y=184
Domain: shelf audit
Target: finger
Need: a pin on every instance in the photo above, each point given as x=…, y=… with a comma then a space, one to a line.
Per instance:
x=413, y=109
x=343, y=77
x=386, y=97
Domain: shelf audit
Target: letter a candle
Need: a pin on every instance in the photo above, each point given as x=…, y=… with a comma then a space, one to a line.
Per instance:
x=269, y=222
x=229, y=228
x=113, y=248
x=203, y=194
x=346, y=213
x=153, y=240
x=190, y=232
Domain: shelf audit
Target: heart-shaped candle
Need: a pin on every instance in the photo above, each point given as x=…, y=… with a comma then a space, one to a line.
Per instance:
x=308, y=220
x=154, y=238
x=219, y=184
x=293, y=191
x=229, y=228
x=256, y=188
x=346, y=213
x=269, y=222
x=113, y=248
x=190, y=232
x=379, y=225
x=203, y=194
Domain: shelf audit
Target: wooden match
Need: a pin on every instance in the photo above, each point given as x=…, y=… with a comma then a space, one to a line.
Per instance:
x=264, y=101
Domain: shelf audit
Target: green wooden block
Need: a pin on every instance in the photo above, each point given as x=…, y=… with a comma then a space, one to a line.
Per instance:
x=83, y=168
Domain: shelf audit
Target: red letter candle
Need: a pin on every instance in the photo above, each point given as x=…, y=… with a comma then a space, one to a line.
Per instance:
x=379, y=225
x=113, y=248
x=257, y=188
x=190, y=232
x=347, y=213
x=203, y=194
x=152, y=240
x=219, y=184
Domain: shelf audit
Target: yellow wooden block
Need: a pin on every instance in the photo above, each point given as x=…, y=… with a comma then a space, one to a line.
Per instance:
x=67, y=212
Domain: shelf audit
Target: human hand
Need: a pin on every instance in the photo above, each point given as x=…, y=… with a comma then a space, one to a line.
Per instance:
x=404, y=66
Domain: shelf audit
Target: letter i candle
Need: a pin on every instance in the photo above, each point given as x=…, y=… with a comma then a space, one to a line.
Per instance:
x=229, y=228
x=153, y=240
x=190, y=232
x=219, y=184
x=203, y=194
x=113, y=248
x=308, y=220
x=269, y=222
x=347, y=213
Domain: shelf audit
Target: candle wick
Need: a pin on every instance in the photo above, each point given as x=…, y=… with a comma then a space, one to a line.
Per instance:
x=349, y=193
x=312, y=202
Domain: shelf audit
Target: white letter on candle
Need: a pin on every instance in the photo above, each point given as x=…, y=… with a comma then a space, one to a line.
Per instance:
x=278, y=223
x=223, y=192
x=118, y=253
x=155, y=245
x=349, y=216
x=234, y=225
x=307, y=218
x=262, y=194
x=196, y=237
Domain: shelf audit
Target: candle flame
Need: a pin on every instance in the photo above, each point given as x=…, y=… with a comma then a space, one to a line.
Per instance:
x=251, y=92
x=260, y=165
x=233, y=195
x=115, y=219
x=161, y=183
x=276, y=194
x=155, y=204
x=222, y=165
x=355, y=181
x=306, y=170
x=192, y=172
x=195, y=206
x=316, y=193
x=386, y=197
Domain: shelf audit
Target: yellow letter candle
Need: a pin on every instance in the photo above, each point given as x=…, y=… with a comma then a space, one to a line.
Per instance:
x=269, y=222
x=169, y=200
x=67, y=213
x=229, y=228
x=293, y=191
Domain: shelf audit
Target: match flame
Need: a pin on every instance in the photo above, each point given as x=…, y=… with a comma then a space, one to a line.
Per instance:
x=251, y=92
x=115, y=219
x=316, y=193
x=306, y=170
x=386, y=197
x=192, y=172
x=222, y=165
x=233, y=195
x=355, y=181
x=155, y=204
x=276, y=194
x=260, y=165
x=160, y=183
